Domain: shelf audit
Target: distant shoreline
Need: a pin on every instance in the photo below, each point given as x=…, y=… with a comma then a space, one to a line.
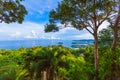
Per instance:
x=16, y=44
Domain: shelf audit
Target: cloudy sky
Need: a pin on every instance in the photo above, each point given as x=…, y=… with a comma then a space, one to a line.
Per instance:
x=33, y=25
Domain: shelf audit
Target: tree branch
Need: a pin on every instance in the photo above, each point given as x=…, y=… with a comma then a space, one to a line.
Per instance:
x=89, y=30
x=90, y=25
x=99, y=23
x=86, y=25
x=1, y=18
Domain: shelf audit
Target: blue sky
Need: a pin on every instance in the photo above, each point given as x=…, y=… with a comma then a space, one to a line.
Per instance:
x=33, y=25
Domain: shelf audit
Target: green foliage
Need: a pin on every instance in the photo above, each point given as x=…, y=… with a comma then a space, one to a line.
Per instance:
x=81, y=13
x=12, y=11
x=45, y=59
x=13, y=72
x=59, y=62
x=89, y=58
x=106, y=36
x=78, y=52
x=51, y=28
x=109, y=64
x=76, y=68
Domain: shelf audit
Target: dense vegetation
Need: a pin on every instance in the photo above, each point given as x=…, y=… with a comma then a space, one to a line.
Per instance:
x=58, y=63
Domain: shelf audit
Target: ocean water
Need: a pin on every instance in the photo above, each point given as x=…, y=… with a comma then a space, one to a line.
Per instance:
x=16, y=44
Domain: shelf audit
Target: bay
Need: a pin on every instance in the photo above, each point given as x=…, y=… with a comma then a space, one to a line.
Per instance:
x=16, y=44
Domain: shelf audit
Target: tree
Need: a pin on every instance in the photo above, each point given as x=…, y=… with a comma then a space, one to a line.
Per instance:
x=115, y=22
x=84, y=14
x=12, y=11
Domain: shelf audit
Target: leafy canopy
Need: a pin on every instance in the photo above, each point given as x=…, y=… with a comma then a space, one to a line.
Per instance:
x=82, y=13
x=12, y=11
x=51, y=27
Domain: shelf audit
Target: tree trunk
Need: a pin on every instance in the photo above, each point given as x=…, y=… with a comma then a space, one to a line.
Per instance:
x=96, y=63
x=115, y=29
x=114, y=44
x=51, y=74
x=115, y=38
x=113, y=71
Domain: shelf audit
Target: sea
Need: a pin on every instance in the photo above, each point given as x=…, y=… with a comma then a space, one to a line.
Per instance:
x=16, y=44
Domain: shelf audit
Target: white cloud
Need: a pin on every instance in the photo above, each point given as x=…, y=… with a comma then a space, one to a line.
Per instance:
x=16, y=34
x=37, y=9
x=28, y=37
x=103, y=25
x=36, y=31
x=19, y=31
x=84, y=36
x=1, y=30
x=34, y=34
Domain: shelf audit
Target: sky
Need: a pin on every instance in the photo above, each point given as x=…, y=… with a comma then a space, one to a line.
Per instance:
x=33, y=25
